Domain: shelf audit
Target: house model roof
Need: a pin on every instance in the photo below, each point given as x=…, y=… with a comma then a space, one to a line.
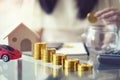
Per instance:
x=15, y=26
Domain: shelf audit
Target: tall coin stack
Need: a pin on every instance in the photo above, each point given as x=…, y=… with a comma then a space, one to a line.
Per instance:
x=58, y=59
x=39, y=48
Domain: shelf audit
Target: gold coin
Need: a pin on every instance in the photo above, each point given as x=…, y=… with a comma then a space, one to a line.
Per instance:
x=58, y=59
x=46, y=60
x=71, y=63
x=38, y=49
x=68, y=46
x=43, y=44
x=51, y=51
x=46, y=56
x=84, y=67
x=91, y=18
x=58, y=56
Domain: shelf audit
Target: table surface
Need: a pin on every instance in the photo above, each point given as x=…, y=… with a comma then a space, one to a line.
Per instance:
x=27, y=68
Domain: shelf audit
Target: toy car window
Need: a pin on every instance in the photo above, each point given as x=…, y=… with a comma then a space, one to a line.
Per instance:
x=7, y=47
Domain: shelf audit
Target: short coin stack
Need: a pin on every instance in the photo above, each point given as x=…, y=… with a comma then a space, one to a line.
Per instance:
x=84, y=67
x=59, y=59
x=71, y=64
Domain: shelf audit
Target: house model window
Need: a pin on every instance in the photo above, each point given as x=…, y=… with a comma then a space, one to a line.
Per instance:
x=14, y=39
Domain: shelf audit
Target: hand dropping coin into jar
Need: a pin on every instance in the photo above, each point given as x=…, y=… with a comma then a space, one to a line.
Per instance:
x=100, y=37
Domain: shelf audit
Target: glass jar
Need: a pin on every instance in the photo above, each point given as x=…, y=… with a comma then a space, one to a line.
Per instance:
x=101, y=38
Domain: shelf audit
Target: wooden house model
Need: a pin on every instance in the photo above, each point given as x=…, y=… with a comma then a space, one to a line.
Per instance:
x=22, y=37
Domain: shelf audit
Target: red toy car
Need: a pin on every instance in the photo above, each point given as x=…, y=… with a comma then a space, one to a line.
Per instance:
x=8, y=53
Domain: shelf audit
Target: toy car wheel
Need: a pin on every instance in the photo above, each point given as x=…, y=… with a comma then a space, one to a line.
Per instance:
x=5, y=58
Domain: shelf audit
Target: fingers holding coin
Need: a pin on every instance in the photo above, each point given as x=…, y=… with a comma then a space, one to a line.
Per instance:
x=105, y=12
x=109, y=15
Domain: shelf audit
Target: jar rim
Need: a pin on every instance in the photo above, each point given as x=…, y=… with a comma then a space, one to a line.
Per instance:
x=105, y=28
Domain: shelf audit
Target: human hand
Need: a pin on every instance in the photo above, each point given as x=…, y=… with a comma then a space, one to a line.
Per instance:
x=109, y=15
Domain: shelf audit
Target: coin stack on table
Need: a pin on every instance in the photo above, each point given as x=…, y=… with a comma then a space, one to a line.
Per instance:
x=48, y=56
x=51, y=51
x=71, y=64
x=39, y=48
x=84, y=67
x=59, y=59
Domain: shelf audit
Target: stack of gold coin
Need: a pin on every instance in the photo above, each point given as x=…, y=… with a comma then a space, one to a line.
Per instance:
x=43, y=48
x=71, y=64
x=84, y=67
x=91, y=18
x=38, y=49
x=58, y=59
x=48, y=56
x=51, y=51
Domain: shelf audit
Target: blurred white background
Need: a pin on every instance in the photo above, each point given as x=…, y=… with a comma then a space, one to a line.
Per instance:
x=28, y=11
x=9, y=12
x=14, y=11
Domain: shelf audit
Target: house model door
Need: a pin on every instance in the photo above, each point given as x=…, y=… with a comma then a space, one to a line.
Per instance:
x=25, y=45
